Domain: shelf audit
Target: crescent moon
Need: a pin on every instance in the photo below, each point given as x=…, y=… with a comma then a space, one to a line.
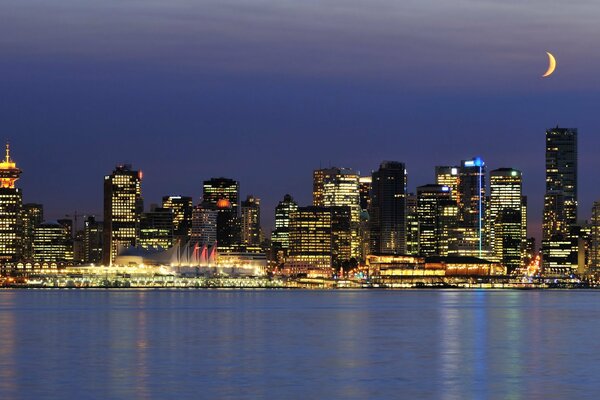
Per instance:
x=551, y=65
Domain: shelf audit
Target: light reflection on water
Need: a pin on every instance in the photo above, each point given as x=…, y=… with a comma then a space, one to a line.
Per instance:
x=299, y=344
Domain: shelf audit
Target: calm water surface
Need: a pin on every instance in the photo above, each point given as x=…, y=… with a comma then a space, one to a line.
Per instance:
x=150, y=344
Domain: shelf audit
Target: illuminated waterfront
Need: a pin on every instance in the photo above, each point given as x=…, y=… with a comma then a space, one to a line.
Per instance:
x=298, y=344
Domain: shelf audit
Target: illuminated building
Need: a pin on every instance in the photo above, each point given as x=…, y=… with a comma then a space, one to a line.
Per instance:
x=595, y=237
x=365, y=183
x=388, y=209
x=280, y=238
x=204, y=225
x=32, y=216
x=182, y=207
x=471, y=208
x=506, y=217
x=412, y=225
x=448, y=176
x=223, y=195
x=123, y=206
x=156, y=228
x=92, y=240
x=52, y=244
x=11, y=200
x=319, y=237
x=339, y=187
x=251, y=233
x=68, y=225
x=437, y=215
x=560, y=202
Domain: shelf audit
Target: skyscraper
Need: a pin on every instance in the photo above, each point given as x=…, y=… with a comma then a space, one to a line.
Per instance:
x=156, y=228
x=223, y=195
x=471, y=207
x=251, y=233
x=412, y=225
x=52, y=244
x=595, y=237
x=320, y=237
x=182, y=207
x=437, y=215
x=92, y=240
x=506, y=217
x=123, y=206
x=560, y=202
x=11, y=200
x=204, y=225
x=388, y=209
x=280, y=238
x=448, y=176
x=365, y=183
x=339, y=187
x=32, y=216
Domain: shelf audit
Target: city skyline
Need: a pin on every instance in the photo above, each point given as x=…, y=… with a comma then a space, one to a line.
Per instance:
x=268, y=217
x=340, y=84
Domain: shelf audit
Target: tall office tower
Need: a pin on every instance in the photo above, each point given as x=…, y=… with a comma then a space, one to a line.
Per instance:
x=123, y=206
x=320, y=236
x=182, y=207
x=339, y=187
x=156, y=228
x=437, y=215
x=412, y=225
x=92, y=240
x=223, y=194
x=388, y=209
x=52, y=244
x=32, y=215
x=471, y=207
x=365, y=183
x=524, y=229
x=204, y=225
x=280, y=238
x=68, y=225
x=560, y=202
x=448, y=176
x=506, y=217
x=595, y=237
x=251, y=233
x=11, y=200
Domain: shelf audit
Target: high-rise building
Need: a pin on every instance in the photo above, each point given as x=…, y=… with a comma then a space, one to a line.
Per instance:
x=92, y=240
x=412, y=225
x=11, y=200
x=595, y=237
x=32, y=216
x=448, y=176
x=156, y=228
x=320, y=236
x=339, y=187
x=388, y=209
x=52, y=244
x=471, y=206
x=280, y=238
x=365, y=183
x=204, y=225
x=251, y=233
x=437, y=215
x=506, y=217
x=560, y=202
x=123, y=207
x=182, y=207
x=223, y=195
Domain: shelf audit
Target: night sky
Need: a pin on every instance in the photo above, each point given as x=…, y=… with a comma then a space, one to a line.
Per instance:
x=265, y=91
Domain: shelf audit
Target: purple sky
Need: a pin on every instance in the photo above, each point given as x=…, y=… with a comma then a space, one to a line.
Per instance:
x=266, y=91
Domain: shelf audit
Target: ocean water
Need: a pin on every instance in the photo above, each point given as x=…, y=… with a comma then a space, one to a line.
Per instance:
x=276, y=344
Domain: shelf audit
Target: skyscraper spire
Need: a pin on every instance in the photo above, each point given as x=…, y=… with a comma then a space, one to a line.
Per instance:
x=9, y=172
